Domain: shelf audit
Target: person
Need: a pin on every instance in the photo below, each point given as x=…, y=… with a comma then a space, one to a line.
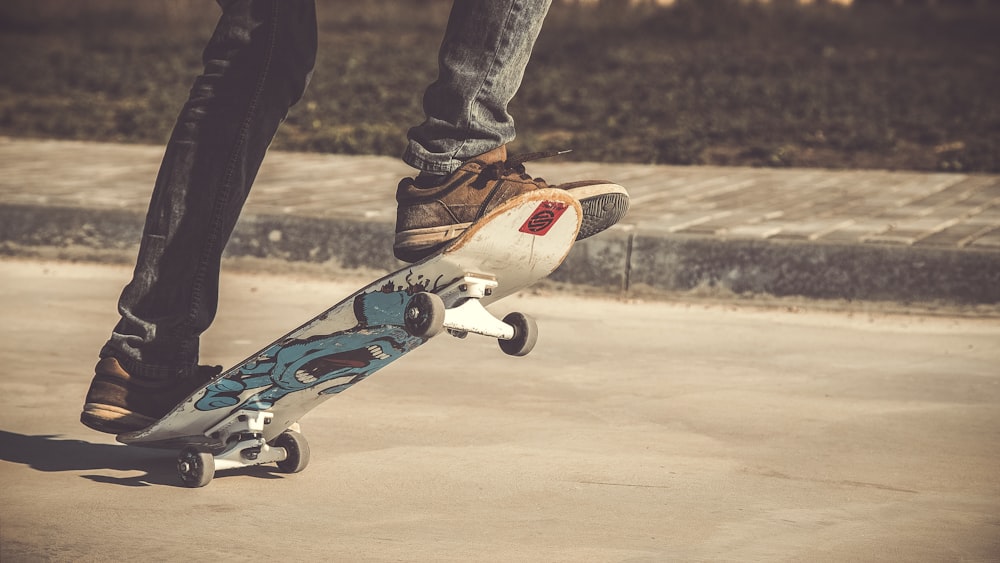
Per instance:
x=257, y=64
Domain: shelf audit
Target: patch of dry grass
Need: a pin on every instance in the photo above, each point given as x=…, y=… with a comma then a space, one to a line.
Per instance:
x=703, y=81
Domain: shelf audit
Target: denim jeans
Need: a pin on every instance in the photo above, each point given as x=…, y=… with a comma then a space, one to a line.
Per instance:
x=485, y=50
x=256, y=66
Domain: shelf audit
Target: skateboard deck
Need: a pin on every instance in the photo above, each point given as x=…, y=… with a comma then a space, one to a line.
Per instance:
x=248, y=414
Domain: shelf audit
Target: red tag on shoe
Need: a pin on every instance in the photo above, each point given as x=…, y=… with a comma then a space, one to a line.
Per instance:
x=543, y=218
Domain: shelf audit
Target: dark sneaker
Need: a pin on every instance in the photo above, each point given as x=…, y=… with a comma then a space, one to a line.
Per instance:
x=118, y=402
x=430, y=215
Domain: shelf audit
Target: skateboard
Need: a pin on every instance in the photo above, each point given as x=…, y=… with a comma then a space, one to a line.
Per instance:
x=248, y=415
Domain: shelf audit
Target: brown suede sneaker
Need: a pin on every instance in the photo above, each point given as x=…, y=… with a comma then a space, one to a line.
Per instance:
x=428, y=218
x=118, y=402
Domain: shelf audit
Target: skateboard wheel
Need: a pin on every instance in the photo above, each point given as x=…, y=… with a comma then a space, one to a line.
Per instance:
x=525, y=335
x=297, y=450
x=196, y=468
x=424, y=316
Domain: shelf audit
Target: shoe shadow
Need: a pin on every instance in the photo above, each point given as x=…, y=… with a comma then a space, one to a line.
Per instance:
x=49, y=453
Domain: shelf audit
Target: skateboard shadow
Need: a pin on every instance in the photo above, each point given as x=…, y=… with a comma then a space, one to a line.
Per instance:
x=50, y=453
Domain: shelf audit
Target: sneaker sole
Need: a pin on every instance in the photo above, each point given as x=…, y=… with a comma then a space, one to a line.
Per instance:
x=112, y=420
x=604, y=205
x=417, y=244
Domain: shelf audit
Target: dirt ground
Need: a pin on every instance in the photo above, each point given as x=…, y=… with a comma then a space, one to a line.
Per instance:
x=643, y=431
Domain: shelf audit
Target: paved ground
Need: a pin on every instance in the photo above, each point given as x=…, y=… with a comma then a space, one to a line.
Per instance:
x=870, y=235
x=634, y=432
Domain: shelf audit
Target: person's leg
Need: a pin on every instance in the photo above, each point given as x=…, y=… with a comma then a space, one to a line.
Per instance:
x=485, y=51
x=257, y=64
x=460, y=148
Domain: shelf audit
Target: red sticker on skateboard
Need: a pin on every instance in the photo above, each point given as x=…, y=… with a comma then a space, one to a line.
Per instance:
x=543, y=218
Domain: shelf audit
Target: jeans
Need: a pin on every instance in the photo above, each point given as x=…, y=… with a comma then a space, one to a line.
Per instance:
x=256, y=66
x=485, y=50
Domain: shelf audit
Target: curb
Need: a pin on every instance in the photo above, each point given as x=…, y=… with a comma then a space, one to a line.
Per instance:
x=868, y=272
x=623, y=261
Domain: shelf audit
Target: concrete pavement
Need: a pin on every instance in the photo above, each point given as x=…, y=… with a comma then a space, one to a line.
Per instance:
x=854, y=235
x=640, y=432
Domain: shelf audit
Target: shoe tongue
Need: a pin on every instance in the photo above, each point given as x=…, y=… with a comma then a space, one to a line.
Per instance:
x=515, y=165
x=494, y=156
x=427, y=180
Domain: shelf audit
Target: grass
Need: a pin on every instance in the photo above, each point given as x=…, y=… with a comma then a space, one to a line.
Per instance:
x=701, y=82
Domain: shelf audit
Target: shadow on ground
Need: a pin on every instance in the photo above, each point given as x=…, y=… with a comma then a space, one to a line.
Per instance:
x=50, y=453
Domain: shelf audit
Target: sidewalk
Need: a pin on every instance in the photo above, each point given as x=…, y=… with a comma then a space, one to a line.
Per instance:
x=857, y=234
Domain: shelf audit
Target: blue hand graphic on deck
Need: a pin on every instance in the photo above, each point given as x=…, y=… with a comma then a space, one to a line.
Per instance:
x=296, y=365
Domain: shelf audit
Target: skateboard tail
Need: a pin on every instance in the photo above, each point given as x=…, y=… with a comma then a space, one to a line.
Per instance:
x=538, y=231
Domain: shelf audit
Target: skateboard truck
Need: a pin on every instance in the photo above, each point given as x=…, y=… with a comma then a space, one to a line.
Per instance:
x=459, y=309
x=243, y=434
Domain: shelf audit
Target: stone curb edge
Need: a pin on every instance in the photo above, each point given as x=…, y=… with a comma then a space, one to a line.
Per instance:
x=621, y=261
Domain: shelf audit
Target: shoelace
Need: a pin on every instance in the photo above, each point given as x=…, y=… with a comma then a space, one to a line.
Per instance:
x=515, y=165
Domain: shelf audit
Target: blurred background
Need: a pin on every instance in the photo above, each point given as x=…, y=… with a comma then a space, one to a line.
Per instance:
x=886, y=84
